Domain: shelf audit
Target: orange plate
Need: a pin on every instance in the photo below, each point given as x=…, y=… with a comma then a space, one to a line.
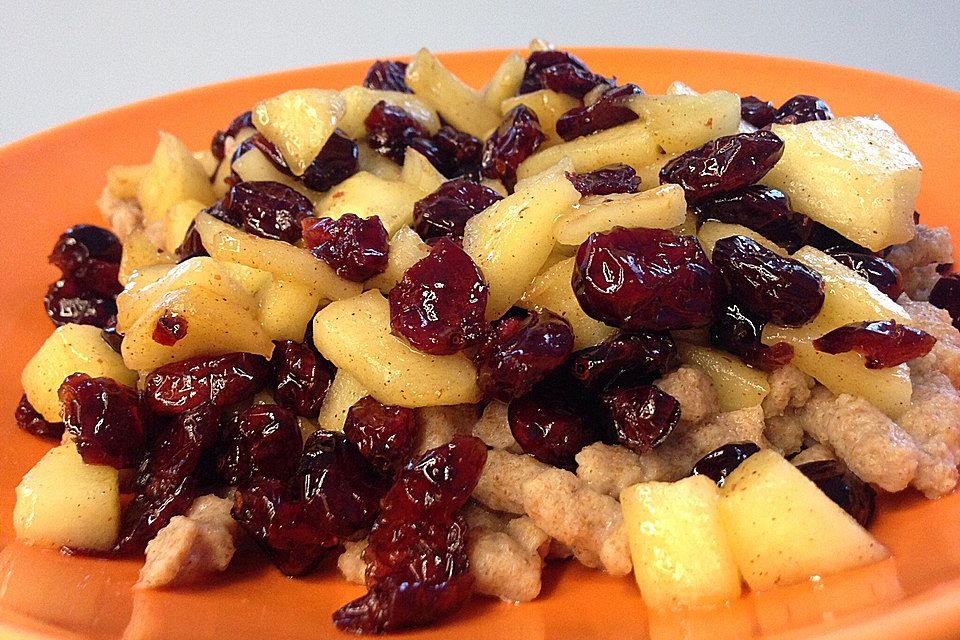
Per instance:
x=51, y=180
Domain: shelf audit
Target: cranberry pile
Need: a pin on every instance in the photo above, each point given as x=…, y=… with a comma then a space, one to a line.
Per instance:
x=86, y=293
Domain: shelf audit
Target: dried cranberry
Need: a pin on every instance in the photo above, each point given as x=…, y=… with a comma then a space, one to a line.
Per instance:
x=103, y=416
x=769, y=286
x=30, y=420
x=571, y=79
x=611, y=110
x=242, y=121
x=517, y=137
x=455, y=153
x=644, y=280
x=262, y=441
x=946, y=295
x=146, y=514
x=192, y=245
x=170, y=329
x=803, y=108
x=83, y=243
x=642, y=416
x=852, y=494
x=336, y=162
x=301, y=377
x=112, y=337
x=439, y=305
x=725, y=164
x=273, y=515
x=616, y=178
x=267, y=209
x=883, y=343
x=385, y=435
x=540, y=60
x=879, y=272
x=445, y=211
x=737, y=332
x=184, y=448
x=387, y=75
x=356, y=248
x=390, y=130
x=721, y=462
x=217, y=380
x=269, y=150
x=68, y=302
x=762, y=209
x=757, y=112
x=631, y=357
x=828, y=240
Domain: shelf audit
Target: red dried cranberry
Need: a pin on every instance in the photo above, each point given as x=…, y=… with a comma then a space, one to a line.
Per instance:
x=644, y=280
x=455, y=153
x=103, y=416
x=520, y=352
x=803, y=108
x=828, y=240
x=946, y=295
x=770, y=287
x=68, y=302
x=30, y=420
x=336, y=162
x=301, y=377
x=445, y=211
x=356, y=248
x=384, y=434
x=262, y=441
x=611, y=110
x=273, y=515
x=517, y=137
x=763, y=209
x=387, y=75
x=267, y=209
x=616, y=178
x=631, y=357
x=439, y=305
x=642, y=416
x=757, y=112
x=571, y=79
x=390, y=130
x=242, y=121
x=738, y=333
x=883, y=343
x=721, y=462
x=540, y=60
x=852, y=494
x=725, y=164
x=112, y=337
x=217, y=380
x=184, y=448
x=879, y=272
x=170, y=329
x=192, y=245
x=83, y=243
x=146, y=514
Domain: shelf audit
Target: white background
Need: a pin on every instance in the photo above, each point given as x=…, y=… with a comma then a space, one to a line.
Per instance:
x=60, y=61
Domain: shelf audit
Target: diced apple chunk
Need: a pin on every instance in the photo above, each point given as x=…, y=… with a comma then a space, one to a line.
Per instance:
x=179, y=218
x=254, y=166
x=286, y=308
x=406, y=249
x=505, y=81
x=711, y=231
x=344, y=392
x=738, y=386
x=298, y=123
x=123, y=180
x=783, y=529
x=854, y=175
x=365, y=195
x=419, y=172
x=138, y=254
x=681, y=552
x=64, y=502
x=683, y=122
x=660, y=208
x=360, y=100
x=355, y=335
x=173, y=176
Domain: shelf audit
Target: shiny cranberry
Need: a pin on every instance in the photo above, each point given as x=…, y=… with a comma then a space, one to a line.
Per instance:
x=629, y=357
x=769, y=286
x=757, y=112
x=336, y=162
x=840, y=484
x=828, y=240
x=725, y=164
x=385, y=435
x=720, y=463
x=762, y=209
x=390, y=130
x=803, y=108
x=217, y=380
x=68, y=302
x=439, y=305
x=571, y=79
x=644, y=280
x=445, y=211
x=946, y=295
x=883, y=343
x=642, y=416
x=30, y=420
x=242, y=121
x=112, y=337
x=192, y=245
x=387, y=75
x=879, y=272
x=301, y=377
x=616, y=178
x=146, y=514
x=456, y=153
x=356, y=248
x=268, y=209
x=737, y=332
x=170, y=329
x=540, y=60
x=517, y=137
x=262, y=441
x=611, y=110
x=103, y=416
x=83, y=243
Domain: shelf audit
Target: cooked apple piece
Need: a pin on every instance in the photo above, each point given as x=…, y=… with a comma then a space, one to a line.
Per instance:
x=208, y=161
x=344, y=392
x=660, y=208
x=250, y=280
x=138, y=254
x=173, y=176
x=179, y=218
x=678, y=88
x=548, y=105
x=738, y=386
x=360, y=100
x=783, y=529
x=418, y=172
x=355, y=335
x=711, y=231
x=284, y=261
x=406, y=249
x=286, y=308
x=511, y=239
x=683, y=122
x=64, y=502
x=72, y=348
x=371, y=161
x=681, y=553
x=460, y=105
x=688, y=227
x=854, y=175
x=630, y=143
x=254, y=166
x=298, y=123
x=649, y=173
x=365, y=195
x=552, y=290
x=123, y=180
x=505, y=81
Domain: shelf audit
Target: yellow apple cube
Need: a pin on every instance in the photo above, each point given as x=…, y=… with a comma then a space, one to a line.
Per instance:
x=365, y=195
x=660, y=208
x=173, y=176
x=360, y=100
x=298, y=123
x=344, y=392
x=683, y=122
x=738, y=386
